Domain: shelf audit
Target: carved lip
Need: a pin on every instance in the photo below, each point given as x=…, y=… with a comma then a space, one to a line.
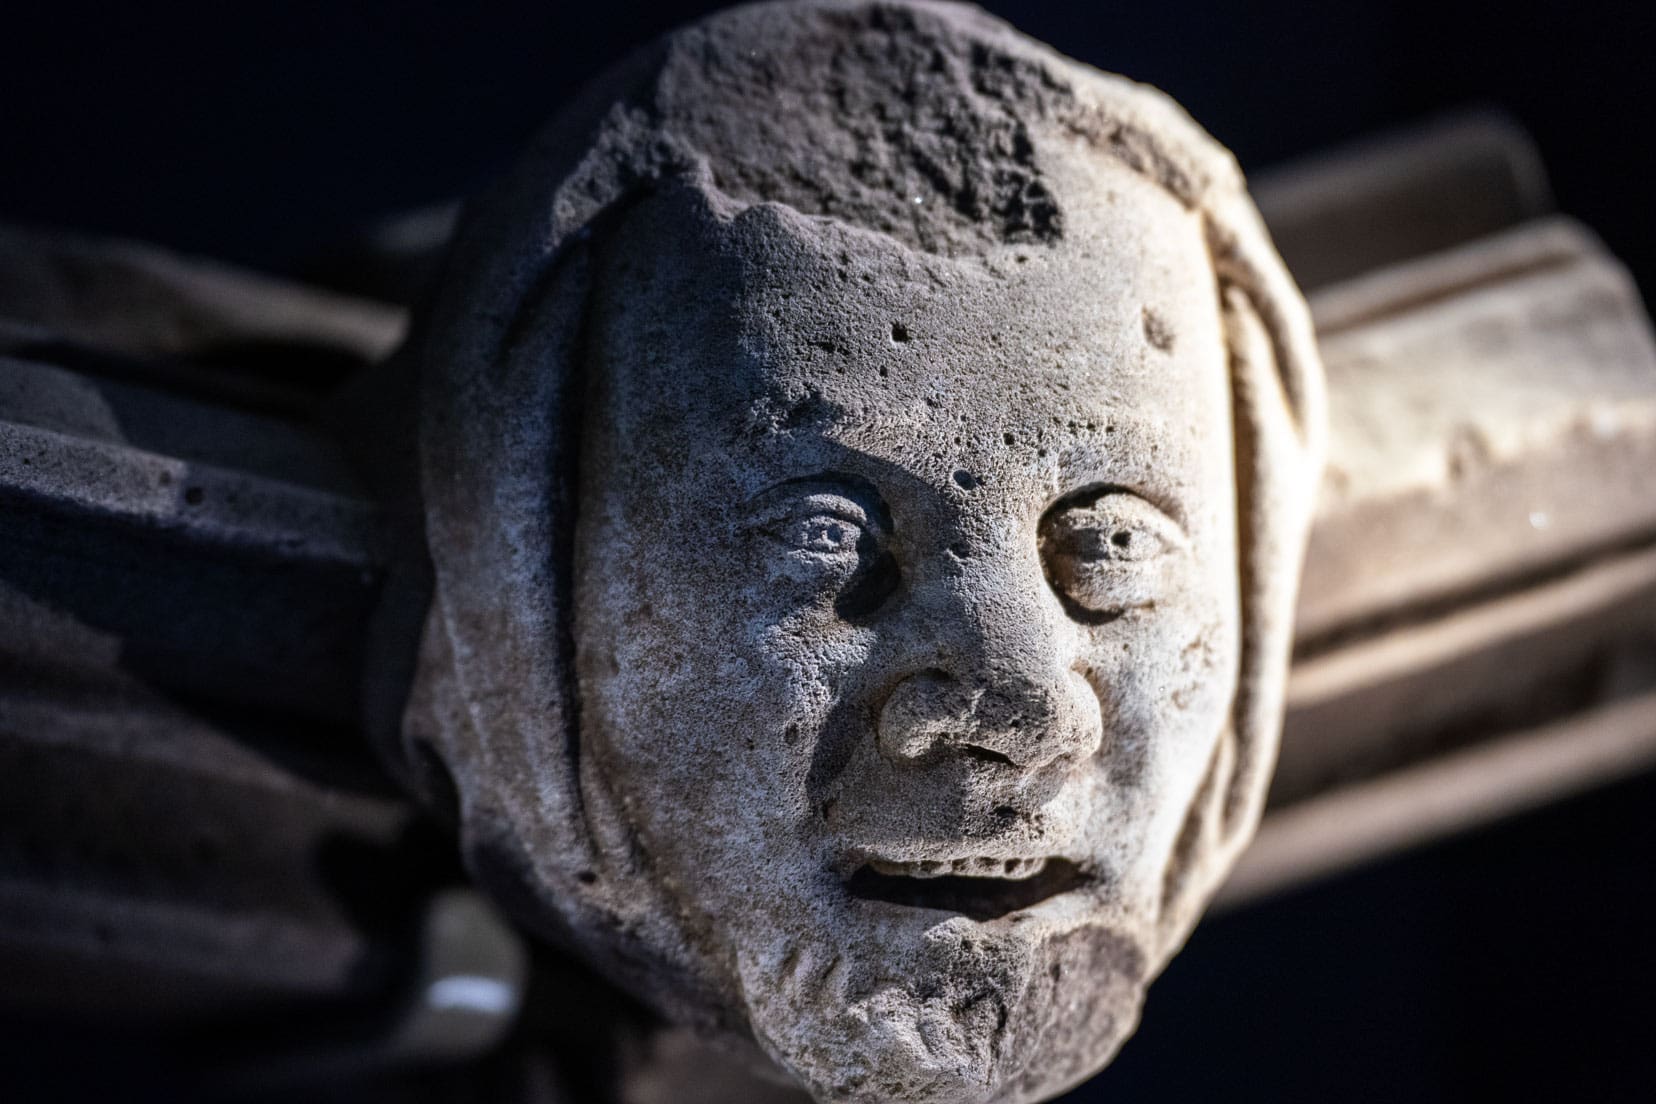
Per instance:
x=979, y=888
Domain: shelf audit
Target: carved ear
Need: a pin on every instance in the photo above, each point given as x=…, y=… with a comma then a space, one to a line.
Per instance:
x=1277, y=417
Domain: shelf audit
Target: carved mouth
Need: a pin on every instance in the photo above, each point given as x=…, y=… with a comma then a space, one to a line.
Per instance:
x=982, y=889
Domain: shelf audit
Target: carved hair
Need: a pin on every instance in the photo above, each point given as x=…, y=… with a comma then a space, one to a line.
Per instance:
x=848, y=110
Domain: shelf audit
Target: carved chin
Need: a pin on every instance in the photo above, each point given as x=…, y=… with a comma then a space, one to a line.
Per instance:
x=963, y=1019
x=912, y=1041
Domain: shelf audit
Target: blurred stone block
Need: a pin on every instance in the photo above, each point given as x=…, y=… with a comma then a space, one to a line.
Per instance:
x=125, y=309
x=221, y=553
x=1470, y=674
x=1477, y=624
x=1492, y=417
x=1382, y=200
x=163, y=863
x=1450, y=793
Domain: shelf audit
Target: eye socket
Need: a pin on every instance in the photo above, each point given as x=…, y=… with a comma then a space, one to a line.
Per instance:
x=1104, y=553
x=833, y=534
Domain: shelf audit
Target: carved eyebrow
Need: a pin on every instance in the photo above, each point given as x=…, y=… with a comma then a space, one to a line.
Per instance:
x=1088, y=496
x=851, y=488
x=1097, y=466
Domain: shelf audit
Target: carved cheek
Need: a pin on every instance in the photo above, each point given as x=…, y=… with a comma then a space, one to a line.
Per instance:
x=792, y=628
x=1164, y=678
x=1119, y=663
x=663, y=629
x=807, y=671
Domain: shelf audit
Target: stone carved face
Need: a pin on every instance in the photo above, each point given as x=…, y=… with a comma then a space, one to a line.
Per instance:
x=906, y=618
x=864, y=460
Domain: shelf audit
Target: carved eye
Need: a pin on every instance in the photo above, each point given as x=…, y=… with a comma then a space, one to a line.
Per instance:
x=1104, y=553
x=833, y=536
x=822, y=534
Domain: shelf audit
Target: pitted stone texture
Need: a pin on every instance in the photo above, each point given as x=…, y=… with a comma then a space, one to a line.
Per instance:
x=865, y=459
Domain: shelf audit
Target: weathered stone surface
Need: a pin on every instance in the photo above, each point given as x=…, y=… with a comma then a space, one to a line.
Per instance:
x=1482, y=673
x=1333, y=215
x=865, y=460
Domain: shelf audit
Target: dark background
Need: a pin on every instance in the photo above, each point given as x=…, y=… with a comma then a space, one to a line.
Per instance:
x=1513, y=964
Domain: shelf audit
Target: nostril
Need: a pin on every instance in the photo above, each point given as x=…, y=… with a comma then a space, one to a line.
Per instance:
x=986, y=755
x=1004, y=719
x=917, y=716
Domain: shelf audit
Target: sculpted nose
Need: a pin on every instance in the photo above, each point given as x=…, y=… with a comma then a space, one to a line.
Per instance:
x=1014, y=720
x=993, y=673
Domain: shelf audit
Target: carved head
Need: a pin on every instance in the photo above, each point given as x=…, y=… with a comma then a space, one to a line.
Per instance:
x=865, y=459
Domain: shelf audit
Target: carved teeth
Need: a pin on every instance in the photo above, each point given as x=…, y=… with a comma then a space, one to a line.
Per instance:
x=977, y=867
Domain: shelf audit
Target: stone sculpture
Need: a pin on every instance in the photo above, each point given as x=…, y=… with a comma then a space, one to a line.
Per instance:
x=200, y=593
x=865, y=458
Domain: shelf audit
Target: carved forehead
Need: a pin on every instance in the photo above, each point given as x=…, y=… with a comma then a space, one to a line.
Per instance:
x=723, y=322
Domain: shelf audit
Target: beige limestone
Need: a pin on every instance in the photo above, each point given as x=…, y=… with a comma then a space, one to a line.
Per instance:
x=865, y=461
x=1474, y=394
x=1343, y=213
x=1468, y=674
